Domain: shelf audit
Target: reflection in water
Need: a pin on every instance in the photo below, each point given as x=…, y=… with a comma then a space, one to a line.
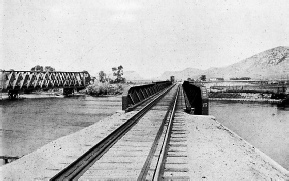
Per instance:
x=31, y=123
x=263, y=125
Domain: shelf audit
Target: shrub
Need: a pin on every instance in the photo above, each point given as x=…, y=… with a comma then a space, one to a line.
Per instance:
x=98, y=89
x=95, y=89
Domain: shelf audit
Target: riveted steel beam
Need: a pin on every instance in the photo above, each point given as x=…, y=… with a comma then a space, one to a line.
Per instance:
x=196, y=98
x=22, y=80
x=133, y=96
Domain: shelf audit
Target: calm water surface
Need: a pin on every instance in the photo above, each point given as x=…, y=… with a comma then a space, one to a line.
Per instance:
x=31, y=123
x=263, y=125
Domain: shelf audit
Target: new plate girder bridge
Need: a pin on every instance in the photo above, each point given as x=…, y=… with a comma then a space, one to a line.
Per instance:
x=196, y=96
x=136, y=95
x=14, y=82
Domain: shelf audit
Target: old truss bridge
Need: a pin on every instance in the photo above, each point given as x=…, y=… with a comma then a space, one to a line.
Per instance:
x=14, y=82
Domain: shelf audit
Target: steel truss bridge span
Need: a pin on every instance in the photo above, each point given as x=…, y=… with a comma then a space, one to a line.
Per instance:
x=15, y=81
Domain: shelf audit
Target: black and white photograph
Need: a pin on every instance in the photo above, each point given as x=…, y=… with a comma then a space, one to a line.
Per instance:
x=144, y=90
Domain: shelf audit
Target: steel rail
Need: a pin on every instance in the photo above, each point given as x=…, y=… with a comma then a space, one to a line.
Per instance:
x=188, y=108
x=142, y=102
x=160, y=162
x=144, y=172
x=83, y=163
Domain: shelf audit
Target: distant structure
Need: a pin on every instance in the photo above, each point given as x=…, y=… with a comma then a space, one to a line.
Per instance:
x=172, y=79
x=216, y=79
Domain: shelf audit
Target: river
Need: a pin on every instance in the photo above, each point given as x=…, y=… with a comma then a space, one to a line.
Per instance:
x=31, y=123
x=263, y=125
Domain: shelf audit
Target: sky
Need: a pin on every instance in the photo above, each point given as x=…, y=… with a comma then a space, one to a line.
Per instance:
x=146, y=36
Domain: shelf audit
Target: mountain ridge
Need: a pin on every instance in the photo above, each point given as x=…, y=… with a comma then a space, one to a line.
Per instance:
x=269, y=64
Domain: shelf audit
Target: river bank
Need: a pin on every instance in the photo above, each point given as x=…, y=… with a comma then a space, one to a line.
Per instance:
x=41, y=95
x=243, y=97
x=247, y=100
x=28, y=124
x=4, y=96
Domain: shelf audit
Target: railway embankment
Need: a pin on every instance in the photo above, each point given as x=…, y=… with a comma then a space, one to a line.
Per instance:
x=215, y=153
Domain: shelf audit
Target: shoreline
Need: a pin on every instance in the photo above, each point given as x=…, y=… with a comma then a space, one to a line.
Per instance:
x=247, y=100
x=34, y=96
x=50, y=95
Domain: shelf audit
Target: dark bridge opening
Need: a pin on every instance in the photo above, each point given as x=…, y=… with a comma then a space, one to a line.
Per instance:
x=196, y=98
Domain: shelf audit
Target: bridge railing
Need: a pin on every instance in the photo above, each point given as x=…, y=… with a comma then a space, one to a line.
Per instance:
x=133, y=96
x=18, y=80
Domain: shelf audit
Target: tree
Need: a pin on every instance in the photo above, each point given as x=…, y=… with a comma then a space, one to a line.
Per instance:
x=37, y=68
x=86, y=76
x=49, y=69
x=118, y=72
x=203, y=78
x=240, y=78
x=102, y=76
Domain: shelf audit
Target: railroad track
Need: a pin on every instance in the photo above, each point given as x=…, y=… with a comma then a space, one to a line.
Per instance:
x=169, y=161
x=144, y=148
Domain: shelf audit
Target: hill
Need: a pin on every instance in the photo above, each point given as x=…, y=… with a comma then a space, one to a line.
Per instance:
x=270, y=64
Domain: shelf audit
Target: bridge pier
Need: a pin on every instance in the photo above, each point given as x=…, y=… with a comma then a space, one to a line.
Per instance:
x=28, y=91
x=68, y=91
x=13, y=94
